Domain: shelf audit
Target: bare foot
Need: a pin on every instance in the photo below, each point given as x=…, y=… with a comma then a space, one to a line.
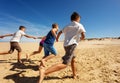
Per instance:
x=75, y=76
x=42, y=74
x=19, y=61
x=42, y=63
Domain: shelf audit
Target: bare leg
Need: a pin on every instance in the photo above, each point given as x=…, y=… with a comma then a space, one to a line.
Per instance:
x=4, y=53
x=42, y=75
x=19, y=59
x=45, y=59
x=52, y=69
x=39, y=50
x=55, y=68
x=35, y=52
x=73, y=67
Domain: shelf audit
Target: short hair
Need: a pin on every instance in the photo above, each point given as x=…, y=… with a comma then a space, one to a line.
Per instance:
x=22, y=27
x=75, y=16
x=54, y=25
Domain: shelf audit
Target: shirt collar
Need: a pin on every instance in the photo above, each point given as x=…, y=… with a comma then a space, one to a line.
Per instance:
x=74, y=22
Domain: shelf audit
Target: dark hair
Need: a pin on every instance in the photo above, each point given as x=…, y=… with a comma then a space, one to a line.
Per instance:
x=54, y=25
x=75, y=16
x=21, y=27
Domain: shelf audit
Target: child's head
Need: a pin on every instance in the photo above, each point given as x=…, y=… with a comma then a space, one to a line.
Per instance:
x=75, y=17
x=55, y=25
x=22, y=28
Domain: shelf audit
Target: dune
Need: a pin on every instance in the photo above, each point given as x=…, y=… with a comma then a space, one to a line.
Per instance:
x=97, y=61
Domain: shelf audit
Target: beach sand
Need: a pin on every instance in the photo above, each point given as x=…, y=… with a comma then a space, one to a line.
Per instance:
x=98, y=61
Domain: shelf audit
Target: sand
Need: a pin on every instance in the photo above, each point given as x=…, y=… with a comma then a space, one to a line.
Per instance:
x=97, y=62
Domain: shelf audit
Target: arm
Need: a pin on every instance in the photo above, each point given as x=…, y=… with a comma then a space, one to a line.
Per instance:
x=54, y=33
x=39, y=37
x=6, y=35
x=42, y=37
x=30, y=36
x=1, y=36
x=82, y=36
x=59, y=35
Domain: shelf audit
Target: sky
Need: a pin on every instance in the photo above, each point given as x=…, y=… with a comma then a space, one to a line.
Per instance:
x=100, y=18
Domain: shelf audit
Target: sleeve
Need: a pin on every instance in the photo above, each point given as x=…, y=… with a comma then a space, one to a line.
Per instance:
x=81, y=28
x=64, y=29
x=23, y=33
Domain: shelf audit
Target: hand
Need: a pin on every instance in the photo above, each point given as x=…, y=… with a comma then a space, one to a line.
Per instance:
x=80, y=38
x=57, y=40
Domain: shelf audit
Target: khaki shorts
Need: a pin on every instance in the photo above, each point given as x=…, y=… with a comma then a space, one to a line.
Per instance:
x=13, y=46
x=69, y=54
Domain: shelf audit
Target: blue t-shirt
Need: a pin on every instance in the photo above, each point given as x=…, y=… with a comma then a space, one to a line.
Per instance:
x=50, y=39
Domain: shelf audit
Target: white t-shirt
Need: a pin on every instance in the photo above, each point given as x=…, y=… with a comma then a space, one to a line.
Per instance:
x=72, y=33
x=17, y=36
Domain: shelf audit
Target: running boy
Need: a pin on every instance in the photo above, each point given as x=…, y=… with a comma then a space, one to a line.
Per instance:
x=48, y=45
x=72, y=34
x=14, y=42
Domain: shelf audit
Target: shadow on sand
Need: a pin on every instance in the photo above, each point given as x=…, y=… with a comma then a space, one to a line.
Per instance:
x=19, y=77
x=23, y=66
x=58, y=78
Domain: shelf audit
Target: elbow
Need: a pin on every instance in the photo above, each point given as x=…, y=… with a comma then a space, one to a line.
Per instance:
x=27, y=36
x=82, y=36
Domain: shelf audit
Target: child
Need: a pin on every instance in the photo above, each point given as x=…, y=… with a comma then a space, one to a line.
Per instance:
x=72, y=34
x=39, y=49
x=48, y=44
x=14, y=42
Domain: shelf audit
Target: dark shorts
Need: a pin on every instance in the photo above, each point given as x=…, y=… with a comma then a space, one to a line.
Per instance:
x=41, y=44
x=13, y=46
x=69, y=54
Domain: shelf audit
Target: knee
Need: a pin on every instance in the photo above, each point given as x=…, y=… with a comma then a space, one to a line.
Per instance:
x=10, y=52
x=62, y=66
x=19, y=52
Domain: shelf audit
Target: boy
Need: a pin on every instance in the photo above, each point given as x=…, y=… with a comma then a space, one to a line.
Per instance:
x=14, y=42
x=48, y=44
x=72, y=34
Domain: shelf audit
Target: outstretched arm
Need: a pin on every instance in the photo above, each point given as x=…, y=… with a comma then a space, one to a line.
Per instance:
x=82, y=36
x=6, y=35
x=1, y=36
x=28, y=36
x=41, y=37
x=58, y=35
